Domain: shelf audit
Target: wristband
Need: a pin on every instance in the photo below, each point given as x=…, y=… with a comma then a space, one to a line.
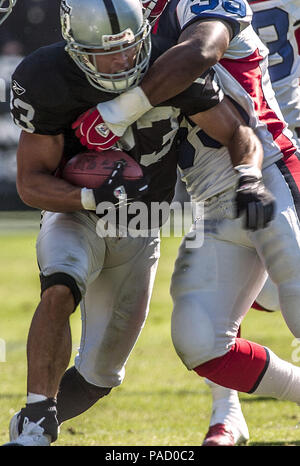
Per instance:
x=124, y=110
x=88, y=199
x=248, y=170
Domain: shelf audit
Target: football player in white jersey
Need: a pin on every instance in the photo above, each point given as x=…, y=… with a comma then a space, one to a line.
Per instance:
x=202, y=35
x=198, y=189
x=6, y=7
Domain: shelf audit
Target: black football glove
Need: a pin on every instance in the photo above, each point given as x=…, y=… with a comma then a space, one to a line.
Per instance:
x=258, y=203
x=119, y=191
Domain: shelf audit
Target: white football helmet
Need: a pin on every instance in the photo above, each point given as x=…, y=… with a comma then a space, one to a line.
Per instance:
x=105, y=27
x=6, y=7
x=153, y=9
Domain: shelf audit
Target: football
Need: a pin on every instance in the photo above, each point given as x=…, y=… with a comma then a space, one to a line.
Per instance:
x=91, y=169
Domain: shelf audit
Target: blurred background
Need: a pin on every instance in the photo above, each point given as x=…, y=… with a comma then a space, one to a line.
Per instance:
x=32, y=24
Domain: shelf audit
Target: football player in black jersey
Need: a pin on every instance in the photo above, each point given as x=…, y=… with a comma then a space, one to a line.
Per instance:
x=203, y=34
x=51, y=89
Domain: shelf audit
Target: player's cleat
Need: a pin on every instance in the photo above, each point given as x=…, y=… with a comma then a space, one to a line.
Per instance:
x=32, y=434
x=220, y=435
x=227, y=426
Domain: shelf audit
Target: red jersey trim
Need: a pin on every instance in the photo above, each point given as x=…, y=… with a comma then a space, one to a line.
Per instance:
x=248, y=73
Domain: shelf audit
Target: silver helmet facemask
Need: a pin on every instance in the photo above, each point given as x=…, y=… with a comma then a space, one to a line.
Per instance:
x=6, y=7
x=92, y=35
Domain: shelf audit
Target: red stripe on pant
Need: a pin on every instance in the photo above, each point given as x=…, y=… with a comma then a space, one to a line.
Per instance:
x=241, y=369
x=292, y=164
x=290, y=169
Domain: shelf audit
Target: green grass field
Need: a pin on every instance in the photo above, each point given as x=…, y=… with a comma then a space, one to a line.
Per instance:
x=160, y=403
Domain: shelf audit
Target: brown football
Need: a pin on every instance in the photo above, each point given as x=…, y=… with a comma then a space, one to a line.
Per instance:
x=91, y=169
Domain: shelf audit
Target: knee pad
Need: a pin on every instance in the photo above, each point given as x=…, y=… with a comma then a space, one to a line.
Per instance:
x=192, y=332
x=61, y=279
x=76, y=395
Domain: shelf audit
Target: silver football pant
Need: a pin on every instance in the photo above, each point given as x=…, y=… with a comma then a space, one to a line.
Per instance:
x=115, y=277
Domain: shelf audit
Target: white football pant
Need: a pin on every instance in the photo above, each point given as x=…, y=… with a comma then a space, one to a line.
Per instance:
x=214, y=286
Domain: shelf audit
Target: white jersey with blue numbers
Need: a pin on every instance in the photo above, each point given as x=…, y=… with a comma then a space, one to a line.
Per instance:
x=243, y=76
x=237, y=13
x=277, y=24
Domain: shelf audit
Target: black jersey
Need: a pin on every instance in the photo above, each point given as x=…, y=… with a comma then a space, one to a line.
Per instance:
x=50, y=92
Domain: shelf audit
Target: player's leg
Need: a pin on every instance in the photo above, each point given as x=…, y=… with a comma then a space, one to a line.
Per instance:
x=114, y=310
x=226, y=400
x=76, y=395
x=49, y=341
x=227, y=426
x=203, y=331
x=69, y=254
x=280, y=249
x=205, y=293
